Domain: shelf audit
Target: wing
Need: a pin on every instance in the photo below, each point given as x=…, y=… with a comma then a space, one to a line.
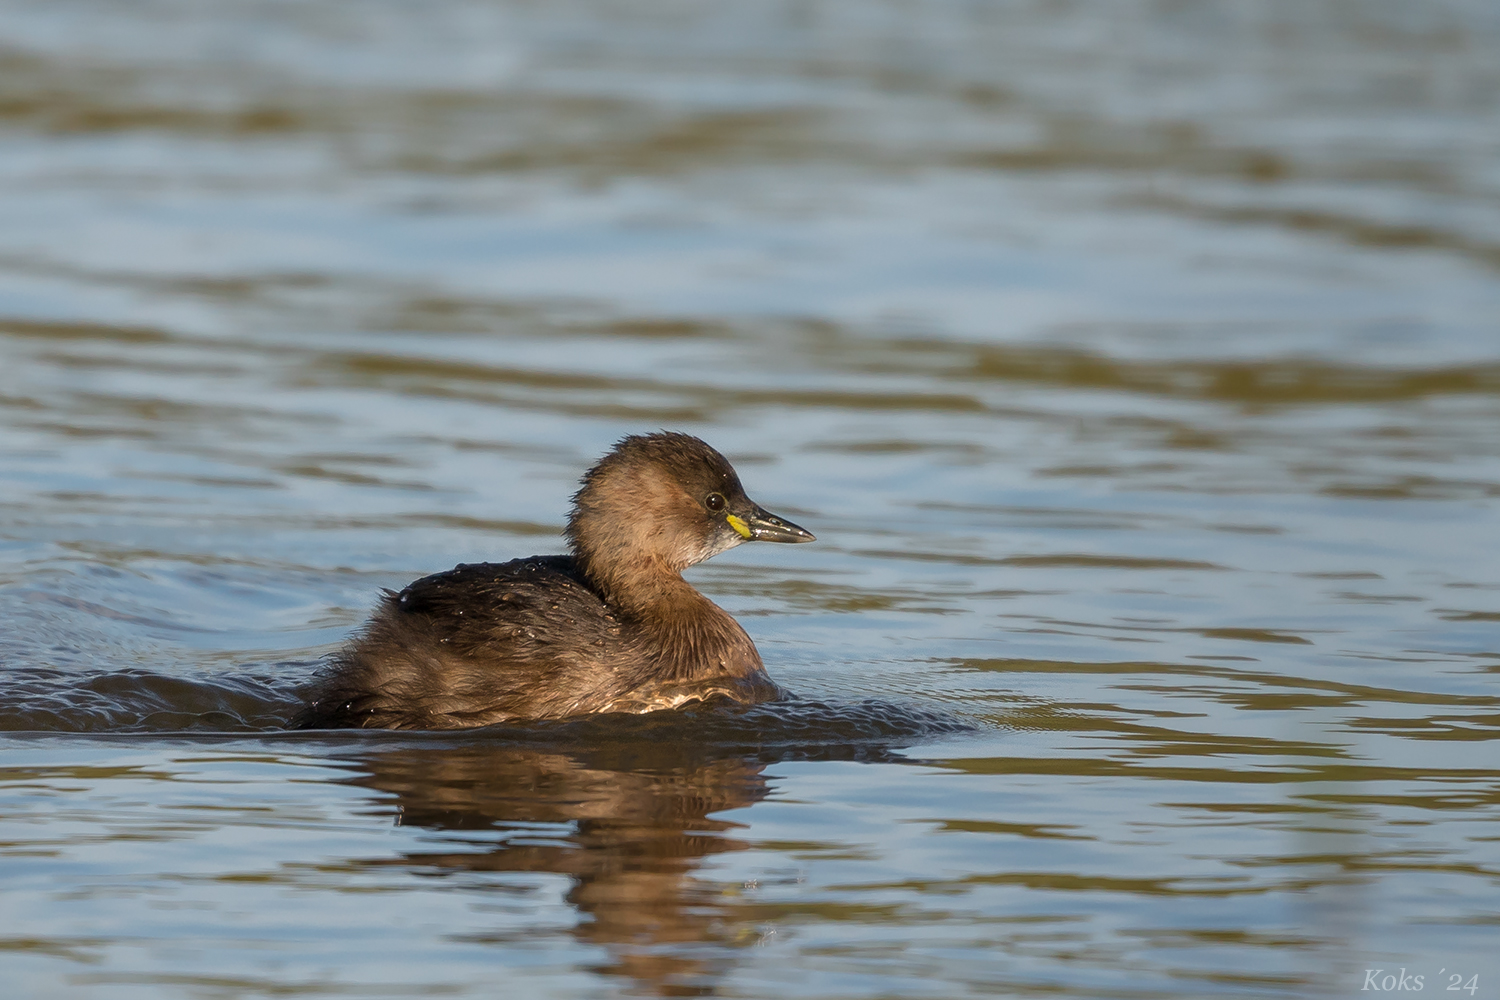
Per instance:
x=518, y=610
x=480, y=643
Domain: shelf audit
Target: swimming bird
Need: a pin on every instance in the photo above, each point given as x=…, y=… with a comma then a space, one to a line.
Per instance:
x=610, y=627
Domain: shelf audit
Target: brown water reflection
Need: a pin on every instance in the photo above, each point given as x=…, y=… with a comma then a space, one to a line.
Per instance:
x=630, y=828
x=631, y=822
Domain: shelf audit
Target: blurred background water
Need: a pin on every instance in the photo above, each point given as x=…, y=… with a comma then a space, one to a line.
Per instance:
x=1136, y=362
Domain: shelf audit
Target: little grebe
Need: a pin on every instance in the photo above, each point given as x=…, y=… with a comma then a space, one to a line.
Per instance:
x=611, y=628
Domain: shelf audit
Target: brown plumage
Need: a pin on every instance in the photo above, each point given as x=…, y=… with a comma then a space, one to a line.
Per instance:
x=612, y=627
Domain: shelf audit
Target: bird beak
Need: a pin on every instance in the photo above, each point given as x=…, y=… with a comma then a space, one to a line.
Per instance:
x=763, y=526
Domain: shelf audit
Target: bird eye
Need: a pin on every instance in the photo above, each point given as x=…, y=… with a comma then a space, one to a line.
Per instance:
x=714, y=502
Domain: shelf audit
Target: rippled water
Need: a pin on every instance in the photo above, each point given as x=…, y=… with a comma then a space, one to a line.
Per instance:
x=1137, y=365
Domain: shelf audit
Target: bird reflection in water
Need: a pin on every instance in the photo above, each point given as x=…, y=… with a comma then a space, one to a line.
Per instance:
x=640, y=826
x=633, y=821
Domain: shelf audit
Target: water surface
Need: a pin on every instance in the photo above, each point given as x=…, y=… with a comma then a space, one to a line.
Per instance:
x=1136, y=364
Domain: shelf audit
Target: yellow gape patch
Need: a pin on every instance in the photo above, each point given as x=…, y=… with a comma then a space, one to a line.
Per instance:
x=738, y=524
